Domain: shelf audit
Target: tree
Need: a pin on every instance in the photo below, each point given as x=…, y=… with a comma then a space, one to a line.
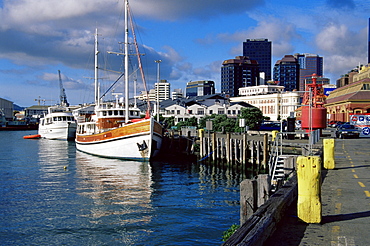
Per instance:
x=253, y=117
x=188, y=122
x=223, y=123
x=169, y=122
x=220, y=123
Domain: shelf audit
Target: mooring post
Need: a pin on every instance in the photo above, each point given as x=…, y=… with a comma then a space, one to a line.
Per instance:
x=244, y=150
x=235, y=149
x=248, y=204
x=201, y=142
x=228, y=146
x=258, y=161
x=329, y=162
x=188, y=143
x=214, y=154
x=208, y=144
x=265, y=150
x=252, y=156
x=309, y=189
x=263, y=189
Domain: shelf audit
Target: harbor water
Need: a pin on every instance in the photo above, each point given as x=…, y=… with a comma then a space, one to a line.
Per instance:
x=51, y=194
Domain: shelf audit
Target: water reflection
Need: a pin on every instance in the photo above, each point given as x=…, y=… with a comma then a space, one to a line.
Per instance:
x=118, y=188
x=54, y=156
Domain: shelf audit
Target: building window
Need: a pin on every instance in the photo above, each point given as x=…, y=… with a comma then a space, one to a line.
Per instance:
x=365, y=87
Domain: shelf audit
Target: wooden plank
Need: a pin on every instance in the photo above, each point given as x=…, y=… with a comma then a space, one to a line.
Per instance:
x=262, y=223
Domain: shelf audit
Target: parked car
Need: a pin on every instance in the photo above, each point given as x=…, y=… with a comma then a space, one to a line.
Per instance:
x=269, y=126
x=347, y=130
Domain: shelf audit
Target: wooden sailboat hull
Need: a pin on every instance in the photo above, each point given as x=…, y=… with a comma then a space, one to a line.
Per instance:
x=135, y=141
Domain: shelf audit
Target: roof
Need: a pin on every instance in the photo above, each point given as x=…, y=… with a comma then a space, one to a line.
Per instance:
x=350, y=92
x=240, y=60
x=191, y=101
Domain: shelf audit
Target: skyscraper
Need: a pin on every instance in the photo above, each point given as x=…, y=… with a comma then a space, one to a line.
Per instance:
x=286, y=73
x=259, y=50
x=162, y=90
x=237, y=73
x=309, y=64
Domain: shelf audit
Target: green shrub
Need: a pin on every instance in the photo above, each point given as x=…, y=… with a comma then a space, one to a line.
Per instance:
x=229, y=232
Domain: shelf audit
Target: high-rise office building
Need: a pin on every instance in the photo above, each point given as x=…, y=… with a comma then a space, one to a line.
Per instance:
x=200, y=88
x=162, y=90
x=237, y=73
x=176, y=94
x=259, y=50
x=309, y=64
x=286, y=73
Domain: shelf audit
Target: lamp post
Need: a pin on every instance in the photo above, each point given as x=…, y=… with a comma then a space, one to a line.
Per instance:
x=158, y=77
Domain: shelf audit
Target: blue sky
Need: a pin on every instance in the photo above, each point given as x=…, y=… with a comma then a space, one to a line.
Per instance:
x=192, y=38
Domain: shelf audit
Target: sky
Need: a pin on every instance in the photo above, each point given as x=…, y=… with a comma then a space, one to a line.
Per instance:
x=192, y=38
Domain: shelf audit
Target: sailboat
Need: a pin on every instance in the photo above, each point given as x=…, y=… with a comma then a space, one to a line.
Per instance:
x=59, y=122
x=115, y=129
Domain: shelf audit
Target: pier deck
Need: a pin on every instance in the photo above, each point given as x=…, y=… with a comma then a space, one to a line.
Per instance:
x=345, y=202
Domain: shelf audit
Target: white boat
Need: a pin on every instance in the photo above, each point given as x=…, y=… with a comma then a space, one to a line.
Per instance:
x=115, y=129
x=59, y=122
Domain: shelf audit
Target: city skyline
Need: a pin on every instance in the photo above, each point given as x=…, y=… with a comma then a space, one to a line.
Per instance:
x=192, y=39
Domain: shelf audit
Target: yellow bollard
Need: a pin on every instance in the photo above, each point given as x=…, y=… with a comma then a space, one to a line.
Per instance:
x=201, y=133
x=274, y=133
x=309, y=188
x=329, y=162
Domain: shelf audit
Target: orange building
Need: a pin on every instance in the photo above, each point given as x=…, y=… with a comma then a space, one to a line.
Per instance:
x=353, y=98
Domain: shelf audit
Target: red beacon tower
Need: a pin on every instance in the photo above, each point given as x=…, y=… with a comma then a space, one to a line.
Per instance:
x=313, y=111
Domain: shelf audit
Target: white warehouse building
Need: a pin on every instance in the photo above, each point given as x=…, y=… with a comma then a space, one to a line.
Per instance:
x=272, y=100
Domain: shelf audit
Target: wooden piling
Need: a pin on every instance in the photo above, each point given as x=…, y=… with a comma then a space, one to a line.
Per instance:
x=248, y=193
x=213, y=144
x=228, y=145
x=265, y=151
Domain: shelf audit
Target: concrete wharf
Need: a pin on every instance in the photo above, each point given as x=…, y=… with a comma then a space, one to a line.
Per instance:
x=345, y=198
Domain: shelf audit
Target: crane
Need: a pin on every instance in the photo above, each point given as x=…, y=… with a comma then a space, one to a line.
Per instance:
x=63, y=96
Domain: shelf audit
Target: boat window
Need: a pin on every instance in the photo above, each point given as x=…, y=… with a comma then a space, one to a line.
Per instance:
x=109, y=112
x=104, y=113
x=64, y=118
x=115, y=112
x=55, y=119
x=121, y=112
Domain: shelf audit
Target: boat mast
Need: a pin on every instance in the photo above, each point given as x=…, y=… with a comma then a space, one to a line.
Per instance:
x=97, y=96
x=126, y=63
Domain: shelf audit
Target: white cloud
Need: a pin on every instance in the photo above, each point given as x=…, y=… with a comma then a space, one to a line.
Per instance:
x=342, y=48
x=281, y=33
x=178, y=9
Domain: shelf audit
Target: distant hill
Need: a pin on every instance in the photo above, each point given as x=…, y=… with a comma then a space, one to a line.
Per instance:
x=18, y=108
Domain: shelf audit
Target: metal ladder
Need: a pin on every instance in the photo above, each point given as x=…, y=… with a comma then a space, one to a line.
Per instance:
x=276, y=163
